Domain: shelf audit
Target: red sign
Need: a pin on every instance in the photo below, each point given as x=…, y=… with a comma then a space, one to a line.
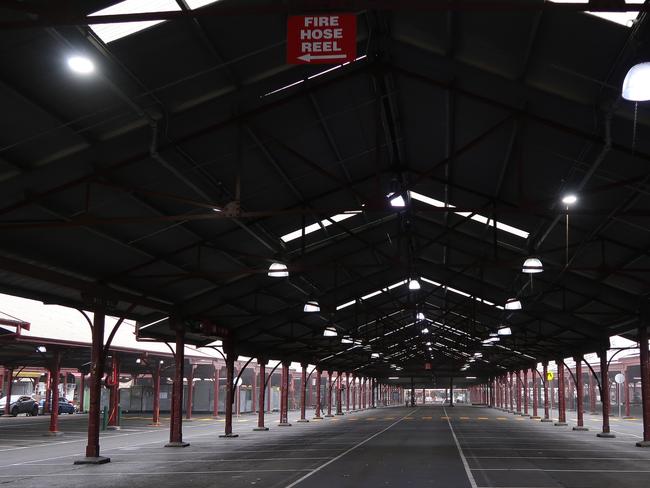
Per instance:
x=321, y=39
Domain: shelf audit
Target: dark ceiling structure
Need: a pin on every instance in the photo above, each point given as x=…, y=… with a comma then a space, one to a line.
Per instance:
x=172, y=178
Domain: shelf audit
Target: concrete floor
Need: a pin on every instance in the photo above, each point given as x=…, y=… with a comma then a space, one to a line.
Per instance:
x=424, y=446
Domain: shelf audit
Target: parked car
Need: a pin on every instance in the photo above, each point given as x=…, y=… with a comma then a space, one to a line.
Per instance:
x=65, y=406
x=19, y=404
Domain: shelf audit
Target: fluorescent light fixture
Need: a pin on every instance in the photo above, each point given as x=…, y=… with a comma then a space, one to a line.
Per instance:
x=414, y=284
x=41, y=349
x=470, y=377
x=81, y=65
x=636, y=86
x=329, y=331
x=138, y=361
x=393, y=377
x=425, y=331
x=375, y=355
x=512, y=304
x=427, y=344
x=532, y=265
x=311, y=306
x=504, y=331
x=570, y=199
x=475, y=217
x=296, y=234
x=346, y=340
x=420, y=316
x=278, y=270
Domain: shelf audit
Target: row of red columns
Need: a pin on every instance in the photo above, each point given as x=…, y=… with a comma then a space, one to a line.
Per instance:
x=508, y=385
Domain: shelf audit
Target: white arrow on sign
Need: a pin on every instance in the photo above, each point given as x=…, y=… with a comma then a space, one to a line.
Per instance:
x=309, y=57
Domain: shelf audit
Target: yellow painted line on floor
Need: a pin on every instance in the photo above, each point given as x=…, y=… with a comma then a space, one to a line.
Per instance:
x=445, y=418
x=389, y=418
x=632, y=418
x=318, y=420
x=482, y=418
x=242, y=421
x=371, y=418
x=351, y=419
x=427, y=418
x=464, y=418
x=520, y=418
x=502, y=418
x=408, y=418
x=221, y=420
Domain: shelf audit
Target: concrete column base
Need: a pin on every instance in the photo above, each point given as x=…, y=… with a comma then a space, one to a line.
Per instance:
x=284, y=424
x=560, y=424
x=606, y=435
x=177, y=444
x=53, y=434
x=93, y=460
x=535, y=417
x=260, y=429
x=113, y=427
x=547, y=420
x=643, y=444
x=581, y=428
x=229, y=436
x=302, y=421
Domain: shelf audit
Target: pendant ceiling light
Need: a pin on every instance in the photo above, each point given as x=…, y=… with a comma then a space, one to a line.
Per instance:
x=636, y=85
x=278, y=270
x=532, y=265
x=420, y=316
x=504, y=331
x=512, y=304
x=396, y=200
x=311, y=306
x=329, y=331
x=414, y=284
x=375, y=355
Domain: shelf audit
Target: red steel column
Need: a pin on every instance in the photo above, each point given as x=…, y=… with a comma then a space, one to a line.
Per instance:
x=533, y=377
x=48, y=393
x=579, y=394
x=339, y=399
x=55, y=372
x=347, y=392
x=644, y=359
x=96, y=374
x=354, y=392
x=114, y=394
x=511, y=391
x=319, y=375
x=561, y=395
x=303, y=393
x=545, y=383
x=284, y=396
x=9, y=379
x=604, y=395
x=329, y=394
x=261, y=393
x=253, y=391
x=190, y=393
x=176, y=422
x=215, y=391
x=82, y=391
x=518, y=391
x=231, y=357
x=525, y=392
x=592, y=395
x=626, y=385
x=155, y=378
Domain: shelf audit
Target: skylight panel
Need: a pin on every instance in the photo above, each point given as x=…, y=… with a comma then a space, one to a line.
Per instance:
x=459, y=292
x=371, y=294
x=319, y=225
x=475, y=217
x=113, y=32
x=623, y=18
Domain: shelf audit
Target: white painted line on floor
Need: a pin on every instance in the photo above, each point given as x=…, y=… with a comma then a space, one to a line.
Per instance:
x=561, y=458
x=565, y=470
x=468, y=471
x=167, y=461
x=157, y=473
x=316, y=470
